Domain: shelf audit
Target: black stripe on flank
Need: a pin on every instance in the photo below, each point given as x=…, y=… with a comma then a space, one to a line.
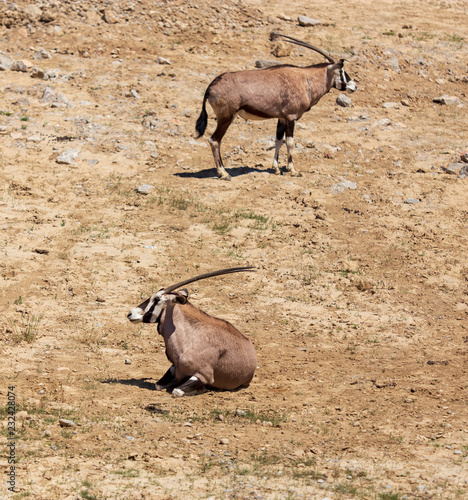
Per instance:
x=255, y=112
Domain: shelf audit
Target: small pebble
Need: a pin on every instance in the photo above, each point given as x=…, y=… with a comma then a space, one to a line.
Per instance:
x=66, y=423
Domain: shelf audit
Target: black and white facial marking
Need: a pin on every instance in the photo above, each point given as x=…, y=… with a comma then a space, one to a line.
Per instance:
x=343, y=81
x=150, y=310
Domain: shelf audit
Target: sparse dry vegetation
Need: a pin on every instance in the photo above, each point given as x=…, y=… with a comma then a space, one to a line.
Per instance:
x=358, y=312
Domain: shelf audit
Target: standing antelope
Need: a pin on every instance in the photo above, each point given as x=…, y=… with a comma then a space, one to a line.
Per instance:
x=204, y=351
x=283, y=92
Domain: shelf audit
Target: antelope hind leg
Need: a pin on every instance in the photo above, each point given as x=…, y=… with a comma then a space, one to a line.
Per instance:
x=193, y=386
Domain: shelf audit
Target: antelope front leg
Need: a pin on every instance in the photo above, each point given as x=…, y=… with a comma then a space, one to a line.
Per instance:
x=280, y=128
x=167, y=381
x=290, y=147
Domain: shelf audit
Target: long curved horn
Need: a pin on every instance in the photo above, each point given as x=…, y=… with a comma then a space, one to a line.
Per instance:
x=229, y=270
x=274, y=35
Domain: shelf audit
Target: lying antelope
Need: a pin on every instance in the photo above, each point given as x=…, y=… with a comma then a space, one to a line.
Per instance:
x=204, y=351
x=283, y=92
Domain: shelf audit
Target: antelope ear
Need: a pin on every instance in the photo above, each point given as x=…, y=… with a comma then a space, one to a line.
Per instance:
x=182, y=296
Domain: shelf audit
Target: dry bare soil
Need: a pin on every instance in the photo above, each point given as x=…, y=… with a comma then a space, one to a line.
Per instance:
x=358, y=311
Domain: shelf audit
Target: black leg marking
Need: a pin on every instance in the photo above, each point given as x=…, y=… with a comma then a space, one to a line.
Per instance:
x=167, y=381
x=189, y=388
x=280, y=129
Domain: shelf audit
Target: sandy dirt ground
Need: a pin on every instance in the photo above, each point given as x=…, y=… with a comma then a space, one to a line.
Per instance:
x=358, y=311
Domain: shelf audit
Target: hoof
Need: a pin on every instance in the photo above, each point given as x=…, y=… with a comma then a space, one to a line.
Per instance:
x=295, y=173
x=177, y=393
x=277, y=171
x=158, y=387
x=225, y=178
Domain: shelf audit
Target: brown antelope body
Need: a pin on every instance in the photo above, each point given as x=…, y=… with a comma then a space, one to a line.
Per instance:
x=204, y=351
x=283, y=92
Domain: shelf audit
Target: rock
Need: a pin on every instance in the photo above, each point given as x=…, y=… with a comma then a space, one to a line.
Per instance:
x=390, y=105
x=128, y=361
x=307, y=21
x=453, y=168
x=149, y=121
x=135, y=94
x=66, y=423
x=344, y=101
x=32, y=12
x=42, y=54
x=464, y=157
x=48, y=16
x=412, y=201
x=145, y=189
x=48, y=95
x=6, y=61
x=446, y=100
x=284, y=17
x=24, y=66
x=281, y=49
x=393, y=63
x=342, y=186
x=37, y=73
x=224, y=441
x=463, y=172
x=163, y=60
x=68, y=157
x=265, y=64
x=110, y=17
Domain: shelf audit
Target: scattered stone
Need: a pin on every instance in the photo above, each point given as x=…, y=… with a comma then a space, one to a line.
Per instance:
x=150, y=121
x=284, y=17
x=68, y=157
x=446, y=100
x=145, y=189
x=463, y=172
x=42, y=54
x=390, y=105
x=92, y=163
x=464, y=157
x=265, y=64
x=224, y=441
x=47, y=433
x=128, y=361
x=24, y=66
x=37, y=73
x=33, y=12
x=393, y=63
x=66, y=423
x=5, y=61
x=23, y=102
x=344, y=101
x=281, y=49
x=342, y=186
x=453, y=168
x=110, y=17
x=240, y=413
x=163, y=60
x=412, y=201
x=307, y=21
x=48, y=96
x=47, y=16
